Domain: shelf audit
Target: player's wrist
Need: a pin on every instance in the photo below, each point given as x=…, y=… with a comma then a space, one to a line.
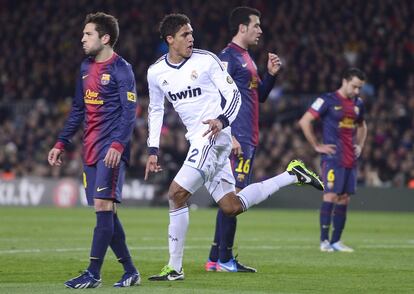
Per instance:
x=152, y=151
x=59, y=145
x=117, y=146
x=224, y=121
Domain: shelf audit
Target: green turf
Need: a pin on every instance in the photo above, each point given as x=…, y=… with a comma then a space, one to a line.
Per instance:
x=40, y=248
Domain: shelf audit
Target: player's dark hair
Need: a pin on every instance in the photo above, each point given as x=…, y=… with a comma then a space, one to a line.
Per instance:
x=105, y=24
x=241, y=15
x=171, y=24
x=349, y=73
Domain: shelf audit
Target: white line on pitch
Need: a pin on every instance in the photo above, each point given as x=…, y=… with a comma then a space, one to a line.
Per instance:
x=159, y=248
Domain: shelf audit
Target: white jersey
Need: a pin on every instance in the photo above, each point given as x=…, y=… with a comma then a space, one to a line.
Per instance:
x=193, y=88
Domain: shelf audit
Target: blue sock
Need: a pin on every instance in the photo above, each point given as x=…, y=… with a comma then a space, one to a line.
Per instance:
x=214, y=251
x=102, y=236
x=228, y=231
x=325, y=216
x=339, y=220
x=120, y=248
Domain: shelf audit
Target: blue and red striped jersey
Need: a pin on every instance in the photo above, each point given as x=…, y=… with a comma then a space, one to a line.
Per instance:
x=253, y=90
x=340, y=117
x=105, y=100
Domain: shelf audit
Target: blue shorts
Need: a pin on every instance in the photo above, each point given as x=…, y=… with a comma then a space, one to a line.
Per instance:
x=102, y=182
x=338, y=179
x=242, y=166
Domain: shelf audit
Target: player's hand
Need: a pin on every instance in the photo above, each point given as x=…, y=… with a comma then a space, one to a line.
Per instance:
x=55, y=157
x=329, y=149
x=152, y=166
x=274, y=64
x=236, y=147
x=214, y=127
x=357, y=150
x=112, y=158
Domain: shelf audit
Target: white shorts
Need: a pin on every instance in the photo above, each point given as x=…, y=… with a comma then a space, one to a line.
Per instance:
x=208, y=163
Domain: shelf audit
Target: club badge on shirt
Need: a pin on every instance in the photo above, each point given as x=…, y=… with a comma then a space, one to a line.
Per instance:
x=194, y=75
x=105, y=79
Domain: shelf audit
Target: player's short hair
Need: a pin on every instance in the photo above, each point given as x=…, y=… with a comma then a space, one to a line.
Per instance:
x=349, y=73
x=171, y=24
x=241, y=15
x=105, y=24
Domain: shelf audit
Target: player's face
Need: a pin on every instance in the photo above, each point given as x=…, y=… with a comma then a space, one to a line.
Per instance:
x=181, y=45
x=352, y=88
x=253, y=31
x=91, y=42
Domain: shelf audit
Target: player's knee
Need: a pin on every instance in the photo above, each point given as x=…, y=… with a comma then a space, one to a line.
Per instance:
x=177, y=196
x=103, y=205
x=232, y=210
x=343, y=199
x=230, y=205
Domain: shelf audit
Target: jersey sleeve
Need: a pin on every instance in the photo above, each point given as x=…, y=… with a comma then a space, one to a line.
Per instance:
x=128, y=99
x=76, y=117
x=228, y=89
x=318, y=107
x=361, y=111
x=155, y=111
x=265, y=86
x=228, y=62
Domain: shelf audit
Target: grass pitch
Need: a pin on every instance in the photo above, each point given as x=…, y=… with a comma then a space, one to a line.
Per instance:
x=40, y=248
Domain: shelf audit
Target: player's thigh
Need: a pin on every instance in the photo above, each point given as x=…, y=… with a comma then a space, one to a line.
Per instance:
x=208, y=156
x=222, y=182
x=109, y=181
x=350, y=180
x=242, y=166
x=89, y=178
x=333, y=176
x=187, y=181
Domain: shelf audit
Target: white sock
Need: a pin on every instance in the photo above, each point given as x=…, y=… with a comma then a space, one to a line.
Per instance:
x=258, y=192
x=177, y=230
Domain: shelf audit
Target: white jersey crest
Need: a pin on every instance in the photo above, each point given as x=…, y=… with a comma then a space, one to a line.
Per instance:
x=193, y=88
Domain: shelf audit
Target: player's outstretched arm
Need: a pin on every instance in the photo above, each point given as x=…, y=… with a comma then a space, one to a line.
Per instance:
x=55, y=157
x=152, y=166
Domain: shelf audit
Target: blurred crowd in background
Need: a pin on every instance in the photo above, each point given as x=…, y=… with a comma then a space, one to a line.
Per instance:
x=316, y=40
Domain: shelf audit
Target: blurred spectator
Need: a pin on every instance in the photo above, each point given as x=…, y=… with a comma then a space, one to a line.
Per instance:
x=40, y=56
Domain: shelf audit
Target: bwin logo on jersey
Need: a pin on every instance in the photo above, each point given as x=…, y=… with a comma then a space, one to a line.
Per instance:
x=189, y=93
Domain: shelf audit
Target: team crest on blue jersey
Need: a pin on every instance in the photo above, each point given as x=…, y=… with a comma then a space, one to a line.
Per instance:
x=105, y=78
x=194, y=75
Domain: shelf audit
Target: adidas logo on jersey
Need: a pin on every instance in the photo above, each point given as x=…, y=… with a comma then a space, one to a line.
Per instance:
x=165, y=83
x=189, y=93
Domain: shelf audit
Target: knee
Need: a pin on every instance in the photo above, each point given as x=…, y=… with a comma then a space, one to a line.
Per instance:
x=230, y=211
x=174, y=197
x=177, y=196
x=343, y=200
x=103, y=205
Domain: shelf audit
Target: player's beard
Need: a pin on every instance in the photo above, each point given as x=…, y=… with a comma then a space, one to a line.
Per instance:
x=94, y=51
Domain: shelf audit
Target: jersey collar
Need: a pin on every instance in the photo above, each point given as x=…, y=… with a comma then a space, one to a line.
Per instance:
x=176, y=66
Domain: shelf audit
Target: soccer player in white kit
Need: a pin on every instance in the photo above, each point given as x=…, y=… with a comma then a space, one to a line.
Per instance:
x=193, y=81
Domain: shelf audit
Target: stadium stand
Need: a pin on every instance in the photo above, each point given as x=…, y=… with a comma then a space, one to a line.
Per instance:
x=315, y=39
